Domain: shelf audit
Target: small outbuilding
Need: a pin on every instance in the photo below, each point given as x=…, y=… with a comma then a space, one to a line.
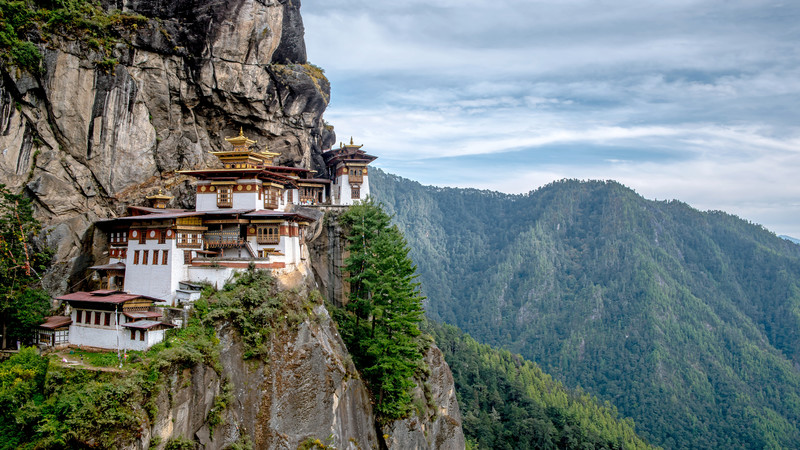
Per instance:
x=54, y=331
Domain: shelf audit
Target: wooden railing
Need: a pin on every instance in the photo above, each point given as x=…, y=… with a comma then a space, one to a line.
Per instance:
x=225, y=238
x=268, y=239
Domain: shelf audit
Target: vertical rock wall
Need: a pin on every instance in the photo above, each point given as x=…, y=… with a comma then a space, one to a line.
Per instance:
x=85, y=140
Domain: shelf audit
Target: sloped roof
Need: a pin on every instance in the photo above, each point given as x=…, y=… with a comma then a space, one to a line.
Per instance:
x=54, y=322
x=142, y=314
x=146, y=324
x=102, y=296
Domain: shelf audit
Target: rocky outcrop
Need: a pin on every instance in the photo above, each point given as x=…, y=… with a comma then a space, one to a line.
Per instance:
x=306, y=390
x=440, y=424
x=85, y=139
x=436, y=421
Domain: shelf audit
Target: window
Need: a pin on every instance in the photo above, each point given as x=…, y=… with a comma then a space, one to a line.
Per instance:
x=88, y=319
x=356, y=175
x=141, y=335
x=136, y=256
x=145, y=255
x=162, y=237
x=62, y=337
x=355, y=191
x=308, y=195
x=164, y=257
x=78, y=316
x=271, y=197
x=142, y=236
x=268, y=235
x=107, y=321
x=224, y=197
x=155, y=257
x=187, y=256
x=289, y=196
x=97, y=317
x=133, y=334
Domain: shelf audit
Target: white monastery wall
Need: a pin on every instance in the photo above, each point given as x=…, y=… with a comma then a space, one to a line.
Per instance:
x=154, y=280
x=216, y=276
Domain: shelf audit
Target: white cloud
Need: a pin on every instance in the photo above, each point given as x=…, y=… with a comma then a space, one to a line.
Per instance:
x=687, y=99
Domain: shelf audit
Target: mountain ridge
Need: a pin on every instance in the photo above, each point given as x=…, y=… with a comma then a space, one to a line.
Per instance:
x=676, y=316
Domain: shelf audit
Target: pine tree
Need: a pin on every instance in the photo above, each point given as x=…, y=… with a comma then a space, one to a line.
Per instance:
x=385, y=307
x=22, y=302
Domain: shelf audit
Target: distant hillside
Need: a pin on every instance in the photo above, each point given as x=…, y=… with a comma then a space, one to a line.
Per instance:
x=789, y=238
x=689, y=322
x=508, y=403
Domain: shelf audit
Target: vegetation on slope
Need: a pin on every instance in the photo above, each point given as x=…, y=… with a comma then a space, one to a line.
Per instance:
x=508, y=403
x=23, y=303
x=45, y=403
x=380, y=323
x=688, y=322
x=26, y=23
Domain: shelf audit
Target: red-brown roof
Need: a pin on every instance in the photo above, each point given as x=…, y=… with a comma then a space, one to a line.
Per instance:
x=278, y=215
x=54, y=322
x=146, y=324
x=142, y=314
x=102, y=296
x=115, y=266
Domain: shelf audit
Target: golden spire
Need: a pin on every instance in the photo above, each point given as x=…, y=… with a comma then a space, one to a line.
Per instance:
x=351, y=140
x=240, y=140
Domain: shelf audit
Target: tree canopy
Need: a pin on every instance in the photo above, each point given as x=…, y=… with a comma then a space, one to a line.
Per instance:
x=687, y=321
x=23, y=303
x=380, y=324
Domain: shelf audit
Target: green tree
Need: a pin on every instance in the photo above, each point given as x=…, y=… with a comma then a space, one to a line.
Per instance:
x=385, y=308
x=22, y=303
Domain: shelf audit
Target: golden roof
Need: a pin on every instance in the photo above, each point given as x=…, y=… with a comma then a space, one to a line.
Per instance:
x=351, y=145
x=159, y=196
x=240, y=140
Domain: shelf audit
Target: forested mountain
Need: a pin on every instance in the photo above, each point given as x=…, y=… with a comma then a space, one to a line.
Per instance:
x=509, y=403
x=687, y=321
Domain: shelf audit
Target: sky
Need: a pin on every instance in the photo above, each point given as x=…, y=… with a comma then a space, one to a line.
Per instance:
x=695, y=100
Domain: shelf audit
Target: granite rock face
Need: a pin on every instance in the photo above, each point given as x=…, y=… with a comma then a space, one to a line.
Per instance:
x=85, y=140
x=306, y=389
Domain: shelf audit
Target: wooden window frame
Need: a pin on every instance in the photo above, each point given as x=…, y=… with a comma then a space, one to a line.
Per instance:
x=141, y=335
x=142, y=237
x=133, y=334
x=155, y=257
x=164, y=257
x=78, y=316
x=356, y=175
x=145, y=256
x=97, y=317
x=271, y=195
x=136, y=256
x=107, y=319
x=162, y=237
x=264, y=237
x=355, y=192
x=224, y=196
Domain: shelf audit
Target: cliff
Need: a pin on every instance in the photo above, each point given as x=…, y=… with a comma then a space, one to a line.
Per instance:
x=304, y=388
x=95, y=129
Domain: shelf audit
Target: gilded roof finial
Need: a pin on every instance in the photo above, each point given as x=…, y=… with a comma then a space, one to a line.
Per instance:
x=241, y=131
x=351, y=140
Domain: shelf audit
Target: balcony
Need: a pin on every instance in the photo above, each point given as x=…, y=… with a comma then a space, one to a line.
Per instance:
x=223, y=239
x=265, y=240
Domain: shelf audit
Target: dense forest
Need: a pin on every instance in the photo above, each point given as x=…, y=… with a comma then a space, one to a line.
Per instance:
x=508, y=403
x=687, y=321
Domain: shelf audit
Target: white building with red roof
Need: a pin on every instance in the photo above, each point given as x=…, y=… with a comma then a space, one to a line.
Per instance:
x=113, y=320
x=244, y=216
